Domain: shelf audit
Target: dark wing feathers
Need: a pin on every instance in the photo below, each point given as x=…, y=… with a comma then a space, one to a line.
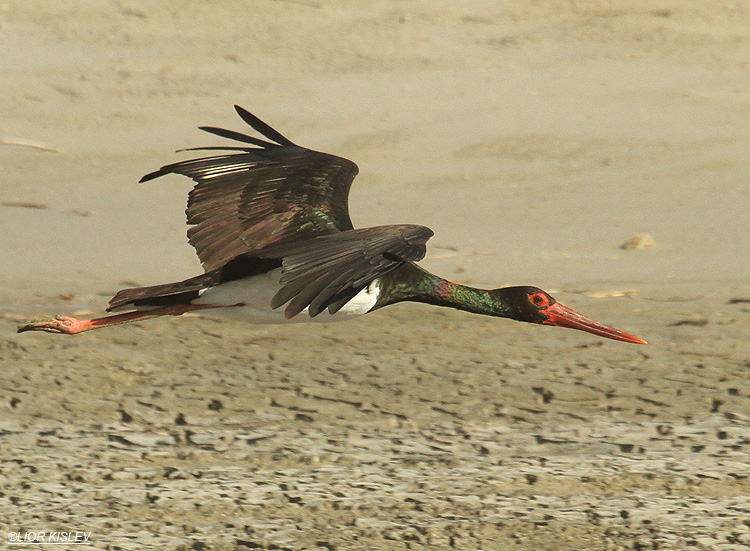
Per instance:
x=256, y=197
x=327, y=271
x=261, y=127
x=278, y=200
x=232, y=135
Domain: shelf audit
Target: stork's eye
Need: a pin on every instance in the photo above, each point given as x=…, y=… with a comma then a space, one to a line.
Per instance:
x=540, y=300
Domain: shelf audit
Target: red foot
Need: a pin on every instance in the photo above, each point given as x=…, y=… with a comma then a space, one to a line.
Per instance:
x=63, y=325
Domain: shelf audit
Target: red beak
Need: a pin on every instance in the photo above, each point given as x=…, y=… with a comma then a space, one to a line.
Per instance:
x=562, y=316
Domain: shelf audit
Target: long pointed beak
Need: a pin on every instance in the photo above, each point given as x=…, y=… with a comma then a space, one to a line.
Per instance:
x=562, y=316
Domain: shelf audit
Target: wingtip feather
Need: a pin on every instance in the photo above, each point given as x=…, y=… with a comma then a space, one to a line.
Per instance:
x=151, y=176
x=238, y=136
x=262, y=127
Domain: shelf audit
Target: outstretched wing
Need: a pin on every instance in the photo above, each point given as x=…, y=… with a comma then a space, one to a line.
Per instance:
x=329, y=270
x=263, y=196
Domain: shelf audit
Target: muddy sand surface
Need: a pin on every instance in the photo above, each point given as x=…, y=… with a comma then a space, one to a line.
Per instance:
x=410, y=429
x=534, y=138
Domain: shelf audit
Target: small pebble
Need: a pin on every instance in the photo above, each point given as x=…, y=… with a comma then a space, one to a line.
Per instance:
x=638, y=241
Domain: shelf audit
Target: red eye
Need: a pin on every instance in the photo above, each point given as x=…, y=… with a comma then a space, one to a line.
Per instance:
x=540, y=299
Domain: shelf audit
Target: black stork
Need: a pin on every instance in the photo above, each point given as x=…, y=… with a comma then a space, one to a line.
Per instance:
x=270, y=223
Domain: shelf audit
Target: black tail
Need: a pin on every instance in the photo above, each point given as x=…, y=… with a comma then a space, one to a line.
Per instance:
x=188, y=290
x=182, y=292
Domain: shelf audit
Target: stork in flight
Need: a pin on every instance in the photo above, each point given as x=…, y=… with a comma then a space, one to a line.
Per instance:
x=270, y=223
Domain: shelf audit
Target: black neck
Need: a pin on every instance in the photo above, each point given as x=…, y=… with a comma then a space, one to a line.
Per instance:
x=414, y=284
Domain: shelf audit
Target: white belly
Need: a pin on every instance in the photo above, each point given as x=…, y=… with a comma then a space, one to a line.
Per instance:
x=256, y=294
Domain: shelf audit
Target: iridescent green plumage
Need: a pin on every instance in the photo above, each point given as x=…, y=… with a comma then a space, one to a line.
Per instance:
x=415, y=284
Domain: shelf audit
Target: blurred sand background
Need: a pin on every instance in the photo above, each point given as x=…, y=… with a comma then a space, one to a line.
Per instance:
x=534, y=138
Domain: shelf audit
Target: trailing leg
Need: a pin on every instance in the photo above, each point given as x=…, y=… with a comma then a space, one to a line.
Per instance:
x=65, y=325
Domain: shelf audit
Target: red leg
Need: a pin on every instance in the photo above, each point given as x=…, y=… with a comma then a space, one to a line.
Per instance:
x=70, y=326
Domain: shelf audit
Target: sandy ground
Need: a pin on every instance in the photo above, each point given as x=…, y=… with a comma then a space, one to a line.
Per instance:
x=534, y=138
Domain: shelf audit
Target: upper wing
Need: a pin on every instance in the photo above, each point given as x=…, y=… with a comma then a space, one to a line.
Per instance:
x=274, y=193
x=329, y=270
